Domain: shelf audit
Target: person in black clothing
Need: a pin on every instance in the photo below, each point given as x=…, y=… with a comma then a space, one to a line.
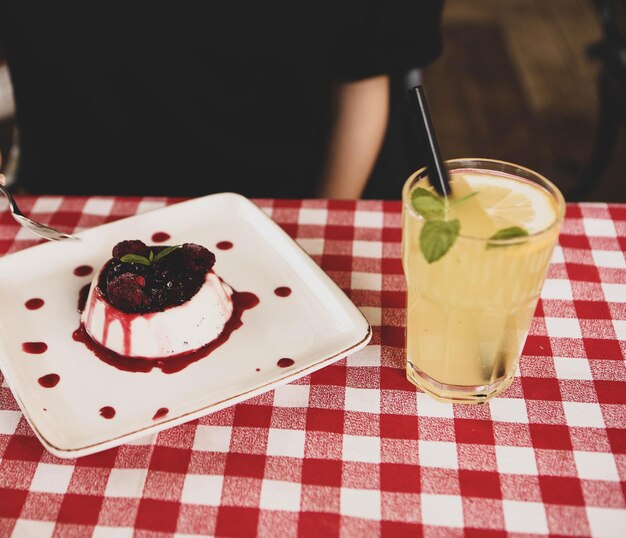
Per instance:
x=189, y=99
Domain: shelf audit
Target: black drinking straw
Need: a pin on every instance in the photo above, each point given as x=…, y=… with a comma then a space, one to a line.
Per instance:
x=437, y=173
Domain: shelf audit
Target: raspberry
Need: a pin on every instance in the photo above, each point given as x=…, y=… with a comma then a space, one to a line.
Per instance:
x=196, y=258
x=140, y=280
x=133, y=246
x=125, y=293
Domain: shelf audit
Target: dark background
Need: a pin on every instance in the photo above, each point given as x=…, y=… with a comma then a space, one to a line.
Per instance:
x=515, y=83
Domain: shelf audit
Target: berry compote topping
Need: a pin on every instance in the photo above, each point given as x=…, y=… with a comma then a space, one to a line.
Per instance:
x=140, y=278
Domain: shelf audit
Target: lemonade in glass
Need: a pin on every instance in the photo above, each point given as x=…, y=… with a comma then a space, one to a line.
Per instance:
x=475, y=263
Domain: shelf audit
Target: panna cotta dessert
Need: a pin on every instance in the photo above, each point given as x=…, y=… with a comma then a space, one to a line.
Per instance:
x=157, y=302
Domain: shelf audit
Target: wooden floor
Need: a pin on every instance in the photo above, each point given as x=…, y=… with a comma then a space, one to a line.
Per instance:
x=515, y=83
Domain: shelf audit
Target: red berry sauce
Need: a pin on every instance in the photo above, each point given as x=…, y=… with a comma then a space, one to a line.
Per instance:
x=160, y=237
x=224, y=245
x=283, y=291
x=49, y=381
x=83, y=270
x=285, y=363
x=34, y=304
x=242, y=301
x=160, y=413
x=82, y=297
x=107, y=412
x=34, y=348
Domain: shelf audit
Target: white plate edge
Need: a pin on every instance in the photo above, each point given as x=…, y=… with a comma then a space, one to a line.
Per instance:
x=176, y=421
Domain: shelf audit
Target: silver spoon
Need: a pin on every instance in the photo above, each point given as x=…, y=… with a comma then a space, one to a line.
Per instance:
x=38, y=229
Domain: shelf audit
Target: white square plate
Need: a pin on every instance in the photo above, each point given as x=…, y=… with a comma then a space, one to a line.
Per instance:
x=315, y=326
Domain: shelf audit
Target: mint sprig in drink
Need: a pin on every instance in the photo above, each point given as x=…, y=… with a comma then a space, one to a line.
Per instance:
x=475, y=262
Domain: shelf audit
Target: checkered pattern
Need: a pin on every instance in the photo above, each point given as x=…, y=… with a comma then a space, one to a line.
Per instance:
x=354, y=449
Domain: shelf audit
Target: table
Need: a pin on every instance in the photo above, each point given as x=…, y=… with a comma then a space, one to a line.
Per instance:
x=354, y=449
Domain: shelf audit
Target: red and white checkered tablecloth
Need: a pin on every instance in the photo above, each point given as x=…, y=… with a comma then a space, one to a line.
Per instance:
x=354, y=449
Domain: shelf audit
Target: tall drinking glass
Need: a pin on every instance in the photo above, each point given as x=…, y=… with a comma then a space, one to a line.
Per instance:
x=469, y=311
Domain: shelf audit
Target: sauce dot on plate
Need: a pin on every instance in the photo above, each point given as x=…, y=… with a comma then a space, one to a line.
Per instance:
x=107, y=412
x=34, y=348
x=224, y=245
x=49, y=381
x=285, y=363
x=283, y=291
x=34, y=304
x=83, y=270
x=160, y=237
x=160, y=413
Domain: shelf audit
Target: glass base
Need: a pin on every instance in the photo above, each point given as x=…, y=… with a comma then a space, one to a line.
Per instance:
x=457, y=393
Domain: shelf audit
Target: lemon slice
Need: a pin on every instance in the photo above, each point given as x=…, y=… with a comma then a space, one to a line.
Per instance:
x=510, y=202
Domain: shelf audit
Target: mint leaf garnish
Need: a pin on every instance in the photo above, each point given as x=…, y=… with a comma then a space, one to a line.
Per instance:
x=424, y=192
x=438, y=234
x=135, y=258
x=437, y=237
x=165, y=252
x=428, y=205
x=506, y=233
x=142, y=260
x=510, y=233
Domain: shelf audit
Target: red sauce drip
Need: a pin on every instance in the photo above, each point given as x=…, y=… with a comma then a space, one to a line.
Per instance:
x=224, y=245
x=283, y=291
x=242, y=301
x=112, y=314
x=107, y=412
x=83, y=270
x=258, y=369
x=82, y=297
x=161, y=412
x=49, y=380
x=160, y=237
x=34, y=304
x=34, y=348
x=285, y=363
